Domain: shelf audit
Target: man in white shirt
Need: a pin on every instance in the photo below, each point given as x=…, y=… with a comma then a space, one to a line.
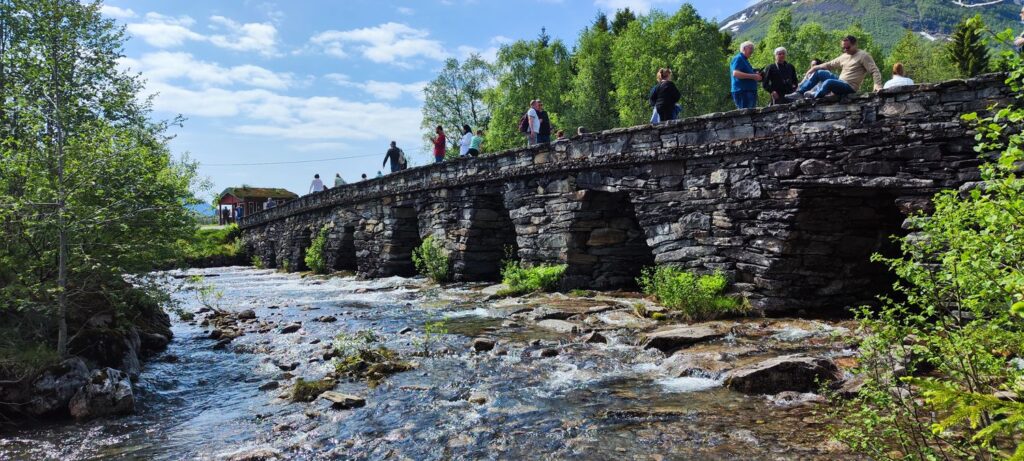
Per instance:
x=534, y=122
x=899, y=77
x=317, y=185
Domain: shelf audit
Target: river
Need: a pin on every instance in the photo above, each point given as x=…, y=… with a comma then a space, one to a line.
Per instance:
x=611, y=401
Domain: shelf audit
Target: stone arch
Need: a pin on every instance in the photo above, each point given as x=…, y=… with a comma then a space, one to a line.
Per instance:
x=342, y=248
x=483, y=235
x=401, y=237
x=824, y=261
x=607, y=248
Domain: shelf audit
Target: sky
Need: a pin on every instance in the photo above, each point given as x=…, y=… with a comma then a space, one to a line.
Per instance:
x=262, y=82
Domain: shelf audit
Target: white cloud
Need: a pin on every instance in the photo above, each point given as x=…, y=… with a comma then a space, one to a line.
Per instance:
x=390, y=43
x=385, y=91
x=115, y=12
x=258, y=37
x=165, y=31
x=405, y=10
x=489, y=54
x=638, y=6
x=168, y=66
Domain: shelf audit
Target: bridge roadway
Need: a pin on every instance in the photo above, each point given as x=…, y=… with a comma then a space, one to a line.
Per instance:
x=788, y=201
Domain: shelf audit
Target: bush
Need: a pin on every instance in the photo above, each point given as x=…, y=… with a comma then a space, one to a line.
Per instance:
x=211, y=242
x=308, y=391
x=521, y=279
x=431, y=260
x=256, y=262
x=315, y=259
x=942, y=364
x=696, y=297
x=20, y=359
x=358, y=358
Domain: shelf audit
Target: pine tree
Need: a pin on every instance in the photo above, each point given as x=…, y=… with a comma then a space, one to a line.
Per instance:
x=967, y=49
x=622, y=19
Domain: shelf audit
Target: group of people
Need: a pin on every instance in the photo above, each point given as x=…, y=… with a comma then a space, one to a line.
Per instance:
x=779, y=79
x=469, y=144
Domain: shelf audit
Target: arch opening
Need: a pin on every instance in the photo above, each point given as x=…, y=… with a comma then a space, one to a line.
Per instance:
x=607, y=248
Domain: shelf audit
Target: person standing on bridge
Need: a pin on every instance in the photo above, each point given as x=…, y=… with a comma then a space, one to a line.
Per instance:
x=395, y=156
x=439, y=144
x=338, y=182
x=779, y=78
x=467, y=139
x=532, y=119
x=474, y=144
x=317, y=185
x=664, y=96
x=744, y=78
x=853, y=65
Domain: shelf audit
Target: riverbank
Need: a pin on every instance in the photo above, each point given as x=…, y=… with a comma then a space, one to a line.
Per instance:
x=553, y=376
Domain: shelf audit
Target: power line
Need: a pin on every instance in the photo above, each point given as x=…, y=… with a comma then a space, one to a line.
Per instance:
x=290, y=162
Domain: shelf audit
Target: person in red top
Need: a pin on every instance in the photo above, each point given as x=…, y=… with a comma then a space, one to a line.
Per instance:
x=439, y=146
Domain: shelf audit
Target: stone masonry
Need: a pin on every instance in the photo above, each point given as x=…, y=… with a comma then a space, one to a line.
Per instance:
x=788, y=201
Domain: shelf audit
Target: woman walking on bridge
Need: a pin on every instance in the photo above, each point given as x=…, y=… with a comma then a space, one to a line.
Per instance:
x=664, y=96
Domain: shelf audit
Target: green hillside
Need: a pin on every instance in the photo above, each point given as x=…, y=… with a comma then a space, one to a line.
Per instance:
x=886, y=20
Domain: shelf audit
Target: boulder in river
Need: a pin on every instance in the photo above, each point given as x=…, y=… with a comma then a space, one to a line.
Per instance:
x=290, y=328
x=559, y=326
x=483, y=344
x=676, y=337
x=108, y=392
x=341, y=401
x=55, y=387
x=247, y=314
x=594, y=338
x=796, y=372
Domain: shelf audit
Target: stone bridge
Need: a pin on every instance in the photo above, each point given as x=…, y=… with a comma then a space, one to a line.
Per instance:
x=788, y=201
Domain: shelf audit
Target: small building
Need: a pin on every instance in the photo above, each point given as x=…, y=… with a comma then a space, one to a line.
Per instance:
x=248, y=200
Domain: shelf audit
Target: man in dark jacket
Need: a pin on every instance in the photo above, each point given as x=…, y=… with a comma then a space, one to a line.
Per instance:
x=544, y=135
x=780, y=78
x=394, y=155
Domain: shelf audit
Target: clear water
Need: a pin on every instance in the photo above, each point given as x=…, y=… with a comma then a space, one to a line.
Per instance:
x=591, y=402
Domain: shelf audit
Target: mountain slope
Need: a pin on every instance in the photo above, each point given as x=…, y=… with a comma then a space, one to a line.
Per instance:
x=884, y=19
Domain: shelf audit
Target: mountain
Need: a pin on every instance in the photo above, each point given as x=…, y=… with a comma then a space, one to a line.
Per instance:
x=886, y=20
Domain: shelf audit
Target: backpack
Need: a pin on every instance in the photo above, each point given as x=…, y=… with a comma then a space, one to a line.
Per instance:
x=524, y=124
x=401, y=157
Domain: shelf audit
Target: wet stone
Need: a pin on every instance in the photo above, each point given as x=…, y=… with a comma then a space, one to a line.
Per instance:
x=341, y=401
x=290, y=328
x=483, y=344
x=247, y=314
x=558, y=326
x=269, y=386
x=672, y=338
x=595, y=338
x=796, y=372
x=325, y=319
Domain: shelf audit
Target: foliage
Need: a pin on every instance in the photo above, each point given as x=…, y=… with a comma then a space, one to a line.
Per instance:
x=308, y=391
x=316, y=254
x=622, y=19
x=430, y=260
x=679, y=42
x=967, y=49
x=210, y=242
x=592, y=94
x=20, y=359
x=924, y=62
x=357, y=357
x=89, y=188
x=456, y=97
x=206, y=293
x=939, y=355
x=524, y=71
x=696, y=297
x=432, y=330
x=256, y=261
x=521, y=279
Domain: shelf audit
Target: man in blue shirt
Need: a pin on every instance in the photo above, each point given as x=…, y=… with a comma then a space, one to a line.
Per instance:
x=744, y=79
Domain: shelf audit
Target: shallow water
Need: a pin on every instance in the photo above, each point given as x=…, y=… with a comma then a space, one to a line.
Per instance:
x=591, y=401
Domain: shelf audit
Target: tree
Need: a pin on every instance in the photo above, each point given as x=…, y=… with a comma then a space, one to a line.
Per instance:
x=967, y=49
x=679, y=42
x=622, y=19
x=812, y=42
x=90, y=189
x=780, y=33
x=456, y=97
x=526, y=70
x=591, y=99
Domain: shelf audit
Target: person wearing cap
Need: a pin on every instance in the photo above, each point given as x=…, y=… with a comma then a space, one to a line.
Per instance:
x=779, y=77
x=853, y=66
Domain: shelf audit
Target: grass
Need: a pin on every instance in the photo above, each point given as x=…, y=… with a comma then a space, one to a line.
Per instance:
x=692, y=296
x=210, y=242
x=359, y=358
x=521, y=280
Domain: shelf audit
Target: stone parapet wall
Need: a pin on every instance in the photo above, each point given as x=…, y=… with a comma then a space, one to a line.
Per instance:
x=789, y=201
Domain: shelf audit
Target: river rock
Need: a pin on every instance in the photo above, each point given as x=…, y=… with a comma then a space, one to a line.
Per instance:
x=269, y=386
x=548, y=352
x=676, y=337
x=327, y=319
x=290, y=328
x=55, y=387
x=247, y=314
x=108, y=392
x=483, y=344
x=559, y=326
x=595, y=338
x=255, y=454
x=478, y=398
x=341, y=401
x=405, y=330
x=796, y=372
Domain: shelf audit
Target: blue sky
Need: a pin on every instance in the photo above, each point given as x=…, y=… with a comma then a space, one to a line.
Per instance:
x=286, y=81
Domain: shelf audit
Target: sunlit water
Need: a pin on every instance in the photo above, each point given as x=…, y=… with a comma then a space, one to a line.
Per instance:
x=592, y=401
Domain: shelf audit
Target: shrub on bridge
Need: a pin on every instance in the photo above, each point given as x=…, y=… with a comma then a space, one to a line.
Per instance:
x=315, y=259
x=521, y=279
x=696, y=297
x=431, y=261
